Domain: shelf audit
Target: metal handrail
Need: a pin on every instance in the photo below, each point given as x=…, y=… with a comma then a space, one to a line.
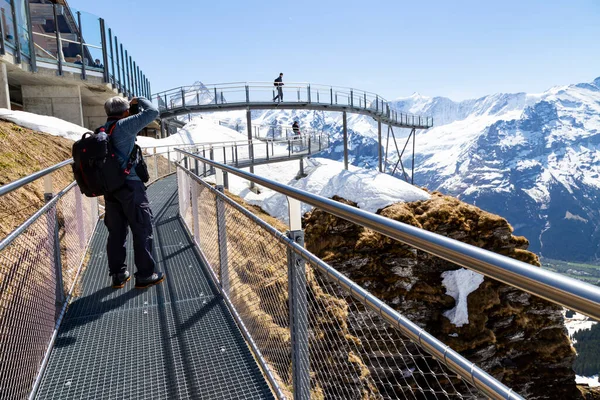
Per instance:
x=356, y=98
x=9, y=187
x=571, y=293
x=453, y=360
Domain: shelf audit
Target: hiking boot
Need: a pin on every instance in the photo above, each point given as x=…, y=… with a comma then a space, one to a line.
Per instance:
x=144, y=282
x=120, y=279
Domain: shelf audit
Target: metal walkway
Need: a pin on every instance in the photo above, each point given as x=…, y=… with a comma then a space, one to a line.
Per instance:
x=302, y=96
x=176, y=340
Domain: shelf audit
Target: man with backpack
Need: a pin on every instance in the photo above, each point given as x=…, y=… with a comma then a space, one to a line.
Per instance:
x=278, y=84
x=128, y=206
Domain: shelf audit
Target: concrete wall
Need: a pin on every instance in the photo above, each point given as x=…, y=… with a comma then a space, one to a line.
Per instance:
x=62, y=102
x=93, y=116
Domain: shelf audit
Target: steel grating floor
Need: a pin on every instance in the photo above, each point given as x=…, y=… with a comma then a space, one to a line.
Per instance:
x=176, y=340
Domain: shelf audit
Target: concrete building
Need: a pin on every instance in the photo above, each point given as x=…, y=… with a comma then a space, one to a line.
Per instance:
x=58, y=62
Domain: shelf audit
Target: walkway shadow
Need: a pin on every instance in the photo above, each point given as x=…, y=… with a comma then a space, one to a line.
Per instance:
x=92, y=301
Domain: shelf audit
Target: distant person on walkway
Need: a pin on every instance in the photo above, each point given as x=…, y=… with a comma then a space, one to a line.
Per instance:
x=296, y=128
x=278, y=84
x=98, y=64
x=128, y=207
x=78, y=60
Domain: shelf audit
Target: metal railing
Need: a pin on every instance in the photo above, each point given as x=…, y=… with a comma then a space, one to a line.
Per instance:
x=318, y=334
x=48, y=34
x=40, y=262
x=240, y=93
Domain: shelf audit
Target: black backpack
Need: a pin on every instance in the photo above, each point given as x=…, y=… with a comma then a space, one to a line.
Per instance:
x=97, y=168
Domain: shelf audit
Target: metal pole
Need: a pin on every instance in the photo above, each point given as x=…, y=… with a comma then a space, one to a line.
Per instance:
x=59, y=52
x=351, y=98
x=104, y=51
x=83, y=58
x=54, y=239
x=308, y=93
x=247, y=94
x=182, y=98
x=119, y=81
x=249, y=130
x=16, y=30
x=345, y=121
x=2, y=34
x=124, y=66
x=32, y=57
x=379, y=145
x=195, y=219
x=112, y=59
x=412, y=178
x=79, y=216
x=301, y=167
x=298, y=308
x=222, y=234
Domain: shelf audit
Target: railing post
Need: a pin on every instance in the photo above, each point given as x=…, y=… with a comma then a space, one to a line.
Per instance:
x=54, y=239
x=195, y=219
x=2, y=33
x=379, y=145
x=104, y=51
x=377, y=103
x=267, y=143
x=204, y=164
x=169, y=158
x=32, y=56
x=81, y=45
x=182, y=98
x=216, y=97
x=345, y=123
x=298, y=306
x=365, y=99
x=351, y=98
x=79, y=215
x=16, y=31
x=247, y=94
x=309, y=151
x=301, y=167
x=308, y=93
x=222, y=234
x=155, y=163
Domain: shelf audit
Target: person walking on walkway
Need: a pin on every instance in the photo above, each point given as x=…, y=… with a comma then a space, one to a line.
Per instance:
x=278, y=84
x=128, y=207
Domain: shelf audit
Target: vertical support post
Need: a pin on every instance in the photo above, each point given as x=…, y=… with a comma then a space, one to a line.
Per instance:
x=301, y=167
x=79, y=216
x=2, y=34
x=195, y=219
x=125, y=74
x=119, y=68
x=249, y=129
x=54, y=239
x=182, y=98
x=212, y=158
x=112, y=59
x=331, y=95
x=379, y=145
x=32, y=57
x=351, y=98
x=267, y=144
x=298, y=307
x=82, y=47
x=196, y=164
x=365, y=99
x=169, y=158
x=412, y=177
x=104, y=51
x=247, y=94
x=155, y=163
x=222, y=234
x=216, y=97
x=308, y=89
x=377, y=103
x=16, y=31
x=345, y=121
x=204, y=164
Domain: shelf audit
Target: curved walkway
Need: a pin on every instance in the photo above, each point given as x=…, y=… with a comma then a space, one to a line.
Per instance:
x=259, y=96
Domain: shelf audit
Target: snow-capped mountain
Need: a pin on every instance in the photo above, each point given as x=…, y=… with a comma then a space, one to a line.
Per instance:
x=532, y=158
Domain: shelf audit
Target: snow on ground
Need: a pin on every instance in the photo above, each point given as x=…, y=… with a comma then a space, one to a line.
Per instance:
x=592, y=381
x=42, y=123
x=578, y=322
x=370, y=189
x=459, y=284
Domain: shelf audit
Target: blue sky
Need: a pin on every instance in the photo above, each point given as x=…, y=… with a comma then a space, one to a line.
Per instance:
x=460, y=49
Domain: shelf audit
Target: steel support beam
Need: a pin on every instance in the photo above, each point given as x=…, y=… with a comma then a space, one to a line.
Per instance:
x=379, y=146
x=250, y=147
x=345, y=119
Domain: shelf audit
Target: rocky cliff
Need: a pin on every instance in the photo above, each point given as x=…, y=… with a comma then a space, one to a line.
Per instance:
x=518, y=338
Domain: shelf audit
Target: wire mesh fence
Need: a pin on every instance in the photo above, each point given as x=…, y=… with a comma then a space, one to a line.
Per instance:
x=353, y=353
x=37, y=269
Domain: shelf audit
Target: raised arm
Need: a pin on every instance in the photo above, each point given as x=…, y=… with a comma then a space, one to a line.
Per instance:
x=135, y=123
